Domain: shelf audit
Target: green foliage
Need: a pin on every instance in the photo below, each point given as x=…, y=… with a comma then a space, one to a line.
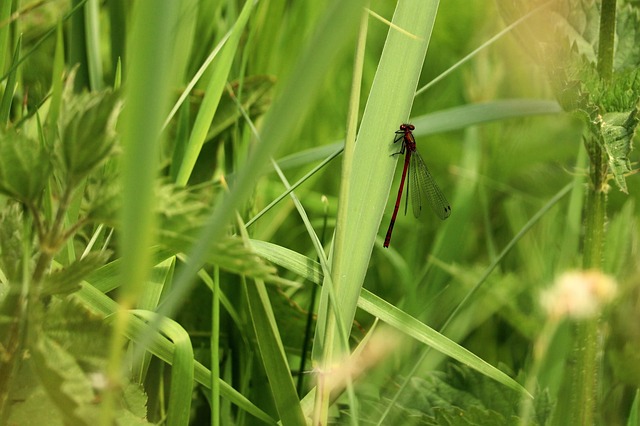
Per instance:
x=66, y=363
x=25, y=167
x=68, y=279
x=608, y=105
x=455, y=396
x=87, y=132
x=132, y=230
x=11, y=243
x=617, y=130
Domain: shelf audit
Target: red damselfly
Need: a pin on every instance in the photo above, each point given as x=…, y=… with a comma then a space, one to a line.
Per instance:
x=422, y=185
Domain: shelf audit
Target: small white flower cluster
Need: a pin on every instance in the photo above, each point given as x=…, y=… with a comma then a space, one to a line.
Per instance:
x=579, y=294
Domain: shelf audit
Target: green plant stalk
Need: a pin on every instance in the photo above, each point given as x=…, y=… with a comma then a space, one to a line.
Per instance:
x=15, y=337
x=5, y=29
x=77, y=44
x=606, y=39
x=92, y=34
x=586, y=353
x=215, y=348
x=585, y=371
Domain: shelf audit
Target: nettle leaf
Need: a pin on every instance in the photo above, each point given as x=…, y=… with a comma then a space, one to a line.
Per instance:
x=230, y=254
x=25, y=167
x=11, y=243
x=101, y=197
x=70, y=359
x=627, y=54
x=183, y=213
x=462, y=396
x=67, y=280
x=65, y=382
x=617, y=130
x=83, y=334
x=87, y=132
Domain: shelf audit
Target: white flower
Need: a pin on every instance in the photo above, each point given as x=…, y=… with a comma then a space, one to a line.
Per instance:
x=579, y=294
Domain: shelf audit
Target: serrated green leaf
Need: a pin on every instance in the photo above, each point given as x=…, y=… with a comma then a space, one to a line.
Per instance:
x=617, y=130
x=627, y=54
x=83, y=333
x=67, y=279
x=63, y=379
x=101, y=200
x=87, y=133
x=11, y=244
x=25, y=167
x=230, y=254
x=183, y=214
x=460, y=396
x=136, y=401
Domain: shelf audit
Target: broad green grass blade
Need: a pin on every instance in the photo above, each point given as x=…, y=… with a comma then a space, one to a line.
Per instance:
x=389, y=314
x=273, y=355
x=182, y=368
x=161, y=347
x=389, y=104
x=147, y=92
x=5, y=14
x=212, y=95
x=56, y=85
x=7, y=97
x=485, y=112
x=421, y=332
x=295, y=262
x=160, y=276
x=92, y=33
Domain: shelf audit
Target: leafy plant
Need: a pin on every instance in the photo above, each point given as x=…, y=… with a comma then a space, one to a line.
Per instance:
x=178, y=245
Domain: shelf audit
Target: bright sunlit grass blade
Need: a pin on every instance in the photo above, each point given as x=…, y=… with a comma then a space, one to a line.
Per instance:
x=388, y=105
x=146, y=94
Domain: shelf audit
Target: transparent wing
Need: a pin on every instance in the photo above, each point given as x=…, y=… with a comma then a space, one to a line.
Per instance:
x=424, y=189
